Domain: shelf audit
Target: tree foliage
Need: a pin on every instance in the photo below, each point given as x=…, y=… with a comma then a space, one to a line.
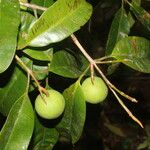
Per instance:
x=35, y=43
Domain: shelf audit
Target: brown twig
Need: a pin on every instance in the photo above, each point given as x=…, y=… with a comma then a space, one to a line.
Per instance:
x=92, y=73
x=110, y=85
x=33, y=6
x=29, y=71
x=111, y=61
x=92, y=62
x=126, y=109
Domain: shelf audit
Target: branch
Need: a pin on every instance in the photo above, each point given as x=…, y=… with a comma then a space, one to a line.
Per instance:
x=110, y=85
x=126, y=109
x=33, y=6
x=29, y=71
x=92, y=62
x=111, y=61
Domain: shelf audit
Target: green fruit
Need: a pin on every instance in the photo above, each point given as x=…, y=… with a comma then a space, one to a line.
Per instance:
x=94, y=92
x=51, y=106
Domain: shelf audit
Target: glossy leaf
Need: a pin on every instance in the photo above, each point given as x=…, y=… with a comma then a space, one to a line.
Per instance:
x=136, y=51
x=12, y=89
x=42, y=55
x=27, y=21
x=137, y=2
x=73, y=120
x=142, y=15
x=44, y=3
x=44, y=138
x=9, y=19
x=40, y=71
x=17, y=130
x=59, y=21
x=131, y=20
x=119, y=29
x=65, y=64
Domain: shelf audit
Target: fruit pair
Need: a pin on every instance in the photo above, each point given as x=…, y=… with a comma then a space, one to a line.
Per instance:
x=52, y=106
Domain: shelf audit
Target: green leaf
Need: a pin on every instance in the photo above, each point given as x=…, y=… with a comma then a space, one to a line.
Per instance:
x=65, y=64
x=17, y=130
x=131, y=20
x=42, y=55
x=40, y=71
x=9, y=23
x=142, y=15
x=59, y=21
x=44, y=3
x=44, y=138
x=12, y=89
x=136, y=51
x=119, y=29
x=27, y=21
x=137, y=2
x=73, y=120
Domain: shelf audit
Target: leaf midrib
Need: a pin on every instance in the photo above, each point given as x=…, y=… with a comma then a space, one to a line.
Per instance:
x=16, y=121
x=55, y=25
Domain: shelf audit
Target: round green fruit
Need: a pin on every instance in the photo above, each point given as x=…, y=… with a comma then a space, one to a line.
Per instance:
x=94, y=92
x=51, y=106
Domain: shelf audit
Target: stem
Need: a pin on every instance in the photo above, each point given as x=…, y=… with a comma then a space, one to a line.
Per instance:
x=33, y=6
x=128, y=3
x=92, y=62
x=92, y=73
x=114, y=87
x=29, y=71
x=83, y=74
x=111, y=61
x=126, y=109
x=35, y=13
x=112, y=57
x=110, y=85
x=103, y=58
x=75, y=40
